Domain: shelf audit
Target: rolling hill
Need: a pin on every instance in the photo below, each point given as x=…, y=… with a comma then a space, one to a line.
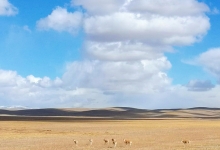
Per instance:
x=108, y=113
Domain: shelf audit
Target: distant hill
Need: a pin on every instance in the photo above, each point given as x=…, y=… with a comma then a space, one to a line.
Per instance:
x=108, y=113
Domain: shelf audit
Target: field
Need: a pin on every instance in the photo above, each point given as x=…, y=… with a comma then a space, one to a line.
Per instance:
x=147, y=134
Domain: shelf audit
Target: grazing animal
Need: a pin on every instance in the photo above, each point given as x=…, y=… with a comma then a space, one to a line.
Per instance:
x=115, y=143
x=185, y=142
x=113, y=140
x=90, y=141
x=76, y=142
x=127, y=142
x=106, y=141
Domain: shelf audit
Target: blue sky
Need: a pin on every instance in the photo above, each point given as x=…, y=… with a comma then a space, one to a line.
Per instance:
x=33, y=51
x=87, y=53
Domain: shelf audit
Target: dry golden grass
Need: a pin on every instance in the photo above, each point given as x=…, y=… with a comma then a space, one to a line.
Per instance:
x=144, y=134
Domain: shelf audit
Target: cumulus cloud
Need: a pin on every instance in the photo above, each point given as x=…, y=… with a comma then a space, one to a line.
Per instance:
x=130, y=38
x=61, y=20
x=7, y=9
x=145, y=21
x=35, y=92
x=123, y=51
x=198, y=85
x=124, y=26
x=170, y=7
x=137, y=30
x=96, y=7
x=210, y=61
x=32, y=92
x=143, y=76
x=124, y=55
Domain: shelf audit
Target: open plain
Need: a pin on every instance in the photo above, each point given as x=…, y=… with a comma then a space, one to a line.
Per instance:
x=30, y=132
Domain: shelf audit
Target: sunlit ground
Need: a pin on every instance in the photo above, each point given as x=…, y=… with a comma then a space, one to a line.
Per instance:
x=144, y=134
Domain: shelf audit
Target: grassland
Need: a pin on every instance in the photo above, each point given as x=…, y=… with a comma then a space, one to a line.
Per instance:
x=149, y=134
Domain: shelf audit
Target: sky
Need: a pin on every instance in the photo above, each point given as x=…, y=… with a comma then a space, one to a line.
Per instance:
x=148, y=54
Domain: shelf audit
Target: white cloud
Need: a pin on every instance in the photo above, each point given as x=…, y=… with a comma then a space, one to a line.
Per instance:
x=135, y=76
x=97, y=7
x=19, y=91
x=210, y=61
x=133, y=32
x=7, y=9
x=124, y=56
x=169, y=7
x=125, y=26
x=124, y=51
x=61, y=20
x=35, y=92
x=176, y=23
x=33, y=79
x=10, y=79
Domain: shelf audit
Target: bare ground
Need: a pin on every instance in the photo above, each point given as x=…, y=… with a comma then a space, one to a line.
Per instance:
x=151, y=134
